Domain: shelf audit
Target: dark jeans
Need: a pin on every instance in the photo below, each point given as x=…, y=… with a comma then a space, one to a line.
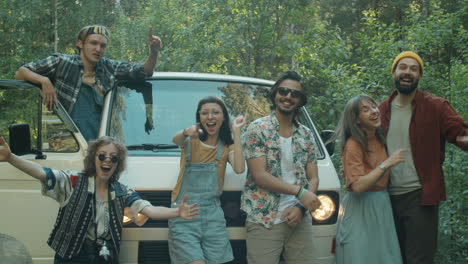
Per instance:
x=89, y=253
x=416, y=226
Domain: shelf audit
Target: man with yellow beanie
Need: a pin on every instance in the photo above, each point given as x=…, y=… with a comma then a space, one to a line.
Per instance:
x=422, y=123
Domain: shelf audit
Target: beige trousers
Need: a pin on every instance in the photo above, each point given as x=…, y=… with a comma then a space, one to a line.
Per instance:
x=266, y=246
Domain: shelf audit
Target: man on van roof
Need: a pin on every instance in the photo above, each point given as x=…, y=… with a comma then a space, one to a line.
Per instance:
x=282, y=179
x=80, y=81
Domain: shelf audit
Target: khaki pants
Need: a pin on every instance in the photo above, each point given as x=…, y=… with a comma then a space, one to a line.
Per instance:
x=265, y=246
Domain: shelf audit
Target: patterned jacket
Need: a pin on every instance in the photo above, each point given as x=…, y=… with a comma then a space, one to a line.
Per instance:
x=74, y=219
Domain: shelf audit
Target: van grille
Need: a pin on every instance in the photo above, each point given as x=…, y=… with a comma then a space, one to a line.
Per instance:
x=158, y=252
x=230, y=202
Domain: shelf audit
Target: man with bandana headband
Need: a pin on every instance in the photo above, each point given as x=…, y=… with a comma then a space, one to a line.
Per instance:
x=422, y=123
x=81, y=81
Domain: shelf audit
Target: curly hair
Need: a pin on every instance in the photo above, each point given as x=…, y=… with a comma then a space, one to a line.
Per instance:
x=225, y=130
x=90, y=159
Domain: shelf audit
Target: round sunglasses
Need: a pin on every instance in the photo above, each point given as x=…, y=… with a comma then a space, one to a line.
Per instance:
x=103, y=157
x=283, y=91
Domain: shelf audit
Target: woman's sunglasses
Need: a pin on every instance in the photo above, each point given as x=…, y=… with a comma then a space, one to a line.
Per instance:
x=283, y=91
x=103, y=157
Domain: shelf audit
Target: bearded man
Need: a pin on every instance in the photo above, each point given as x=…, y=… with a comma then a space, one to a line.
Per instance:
x=422, y=123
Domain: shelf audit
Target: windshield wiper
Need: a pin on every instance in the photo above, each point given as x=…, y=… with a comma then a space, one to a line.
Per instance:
x=152, y=147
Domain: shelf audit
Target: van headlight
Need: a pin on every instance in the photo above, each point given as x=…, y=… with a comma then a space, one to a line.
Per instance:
x=126, y=220
x=326, y=209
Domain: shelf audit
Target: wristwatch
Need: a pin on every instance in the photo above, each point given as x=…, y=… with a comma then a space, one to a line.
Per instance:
x=382, y=166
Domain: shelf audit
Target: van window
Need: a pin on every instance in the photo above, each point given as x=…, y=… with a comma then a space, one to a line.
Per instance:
x=168, y=106
x=55, y=135
x=20, y=106
x=48, y=132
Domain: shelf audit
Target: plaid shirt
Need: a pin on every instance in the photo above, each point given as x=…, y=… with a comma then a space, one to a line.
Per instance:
x=262, y=139
x=66, y=71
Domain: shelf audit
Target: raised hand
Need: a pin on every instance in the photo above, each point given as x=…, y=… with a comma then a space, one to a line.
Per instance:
x=193, y=131
x=5, y=152
x=239, y=121
x=187, y=211
x=154, y=42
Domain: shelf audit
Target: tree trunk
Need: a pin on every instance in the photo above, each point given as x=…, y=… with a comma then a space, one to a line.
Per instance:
x=425, y=8
x=56, y=38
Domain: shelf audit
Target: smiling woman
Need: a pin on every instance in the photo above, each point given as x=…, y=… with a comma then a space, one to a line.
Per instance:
x=207, y=147
x=365, y=164
x=92, y=202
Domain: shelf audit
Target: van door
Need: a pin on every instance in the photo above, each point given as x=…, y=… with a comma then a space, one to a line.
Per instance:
x=26, y=214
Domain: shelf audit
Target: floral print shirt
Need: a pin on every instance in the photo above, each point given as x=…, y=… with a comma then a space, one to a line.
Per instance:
x=262, y=139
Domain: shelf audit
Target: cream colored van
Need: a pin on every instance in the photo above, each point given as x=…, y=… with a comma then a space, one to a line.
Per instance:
x=144, y=115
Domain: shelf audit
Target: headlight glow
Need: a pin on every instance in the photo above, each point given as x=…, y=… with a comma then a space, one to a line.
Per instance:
x=126, y=220
x=326, y=209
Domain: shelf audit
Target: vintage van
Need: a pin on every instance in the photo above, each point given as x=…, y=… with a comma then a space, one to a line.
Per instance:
x=144, y=115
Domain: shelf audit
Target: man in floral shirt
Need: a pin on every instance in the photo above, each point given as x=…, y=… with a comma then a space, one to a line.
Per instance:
x=282, y=179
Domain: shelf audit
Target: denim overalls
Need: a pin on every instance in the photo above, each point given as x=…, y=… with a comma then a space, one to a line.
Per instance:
x=205, y=237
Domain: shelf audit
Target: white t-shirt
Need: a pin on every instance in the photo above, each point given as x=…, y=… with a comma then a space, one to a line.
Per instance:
x=287, y=175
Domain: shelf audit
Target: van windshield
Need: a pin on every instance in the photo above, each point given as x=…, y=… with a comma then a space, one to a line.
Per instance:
x=146, y=115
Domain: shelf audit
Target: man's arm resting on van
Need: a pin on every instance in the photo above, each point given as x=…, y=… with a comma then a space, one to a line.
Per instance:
x=50, y=96
x=33, y=169
x=160, y=212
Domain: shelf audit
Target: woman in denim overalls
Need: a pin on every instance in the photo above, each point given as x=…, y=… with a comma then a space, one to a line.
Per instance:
x=207, y=147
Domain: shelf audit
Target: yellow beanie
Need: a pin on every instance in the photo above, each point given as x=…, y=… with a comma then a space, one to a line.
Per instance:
x=408, y=54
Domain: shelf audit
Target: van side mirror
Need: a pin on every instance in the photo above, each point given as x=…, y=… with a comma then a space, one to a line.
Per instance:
x=20, y=140
x=326, y=136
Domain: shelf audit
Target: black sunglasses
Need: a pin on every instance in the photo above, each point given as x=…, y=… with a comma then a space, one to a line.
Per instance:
x=283, y=91
x=103, y=157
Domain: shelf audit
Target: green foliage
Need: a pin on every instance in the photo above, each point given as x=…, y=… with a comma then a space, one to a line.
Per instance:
x=453, y=235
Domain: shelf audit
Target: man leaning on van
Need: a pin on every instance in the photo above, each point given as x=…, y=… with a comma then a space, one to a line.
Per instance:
x=81, y=81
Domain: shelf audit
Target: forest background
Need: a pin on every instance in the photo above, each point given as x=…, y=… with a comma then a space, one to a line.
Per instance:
x=342, y=48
